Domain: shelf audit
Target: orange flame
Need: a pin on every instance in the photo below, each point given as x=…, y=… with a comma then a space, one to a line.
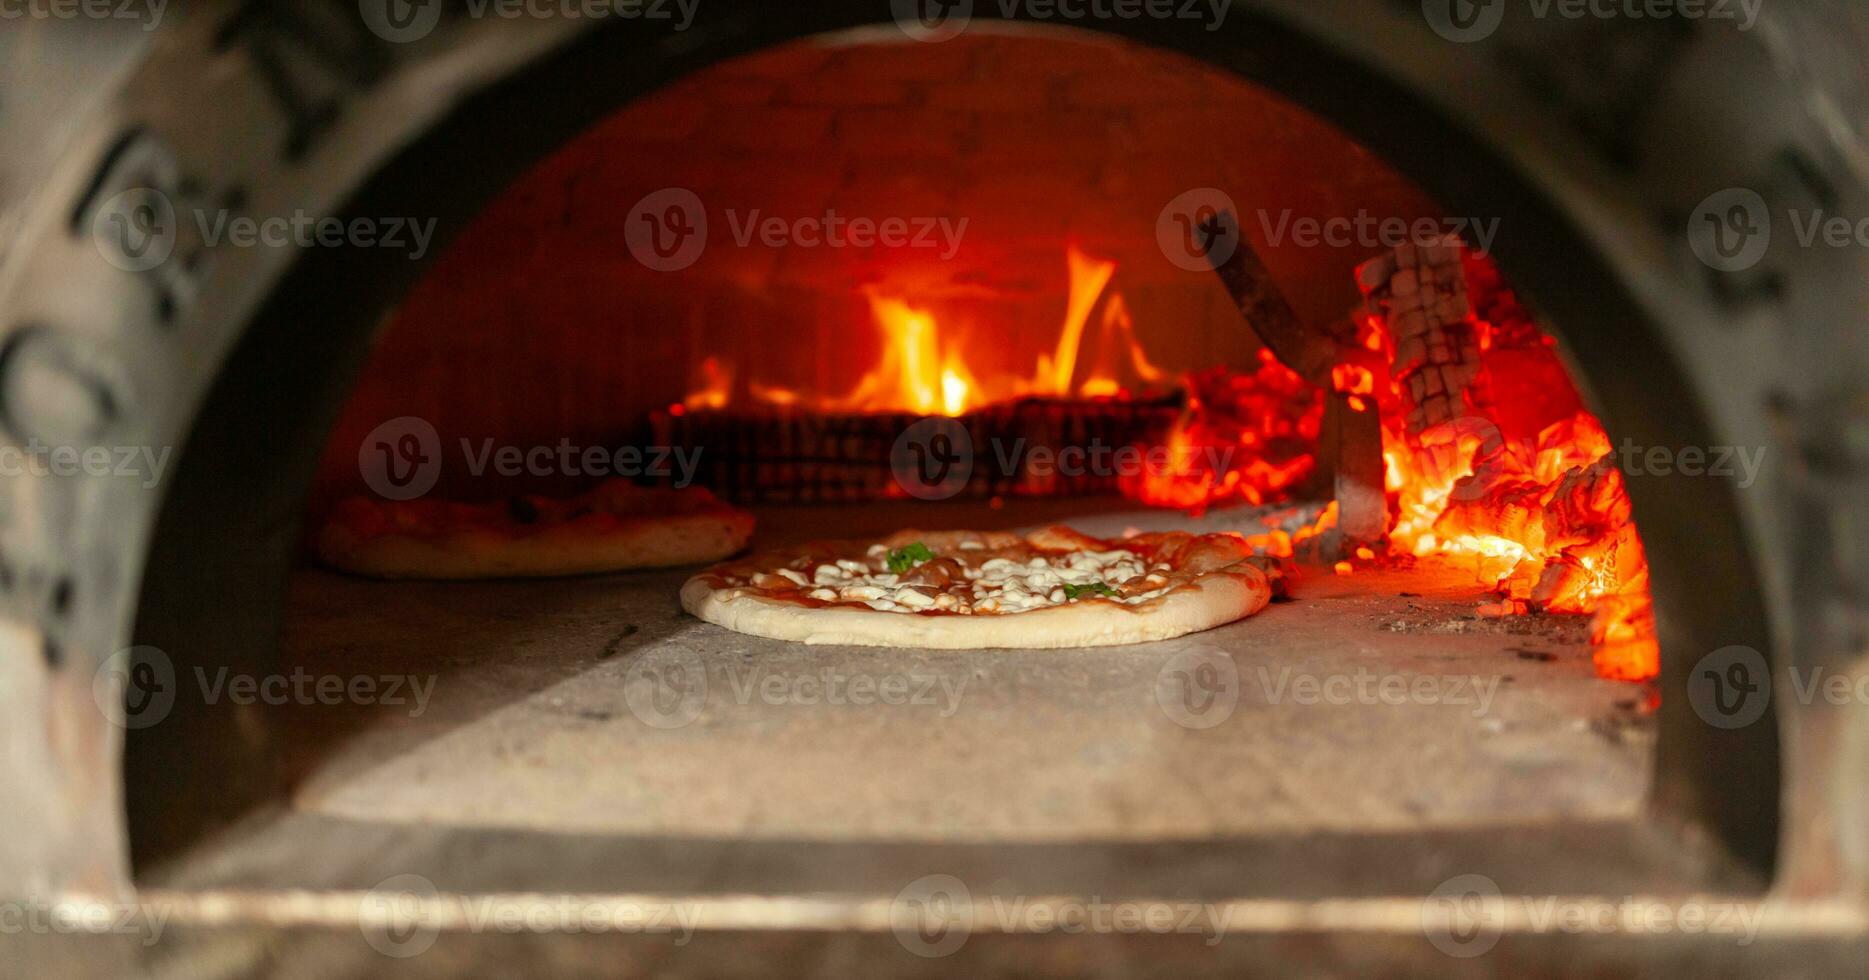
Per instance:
x=916, y=373
x=1117, y=338
x=1088, y=277
x=715, y=386
x=921, y=370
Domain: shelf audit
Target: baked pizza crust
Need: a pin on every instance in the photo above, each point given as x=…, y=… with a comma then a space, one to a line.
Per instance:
x=1223, y=583
x=627, y=528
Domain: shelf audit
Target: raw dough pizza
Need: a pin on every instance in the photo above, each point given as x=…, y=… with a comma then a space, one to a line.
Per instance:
x=616, y=526
x=965, y=590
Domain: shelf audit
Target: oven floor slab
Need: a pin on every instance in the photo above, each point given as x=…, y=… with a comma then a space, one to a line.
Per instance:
x=1373, y=702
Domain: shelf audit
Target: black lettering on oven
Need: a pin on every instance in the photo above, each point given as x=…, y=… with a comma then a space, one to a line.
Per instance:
x=312, y=55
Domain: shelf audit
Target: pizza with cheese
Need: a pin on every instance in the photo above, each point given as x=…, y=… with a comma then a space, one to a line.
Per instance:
x=616, y=526
x=977, y=589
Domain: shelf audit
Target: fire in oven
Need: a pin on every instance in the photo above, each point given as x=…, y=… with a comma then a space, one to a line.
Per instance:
x=935, y=488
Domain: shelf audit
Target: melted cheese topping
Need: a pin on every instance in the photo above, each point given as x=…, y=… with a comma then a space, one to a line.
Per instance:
x=997, y=585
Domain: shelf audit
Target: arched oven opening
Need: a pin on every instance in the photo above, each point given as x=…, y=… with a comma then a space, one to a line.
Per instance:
x=1143, y=292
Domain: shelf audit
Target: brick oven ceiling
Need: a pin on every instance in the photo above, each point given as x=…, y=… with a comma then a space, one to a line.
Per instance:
x=1032, y=141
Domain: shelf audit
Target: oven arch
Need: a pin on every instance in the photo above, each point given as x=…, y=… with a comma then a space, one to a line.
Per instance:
x=285, y=373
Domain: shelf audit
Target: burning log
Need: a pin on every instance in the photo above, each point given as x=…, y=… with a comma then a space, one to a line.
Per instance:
x=1010, y=449
x=1420, y=292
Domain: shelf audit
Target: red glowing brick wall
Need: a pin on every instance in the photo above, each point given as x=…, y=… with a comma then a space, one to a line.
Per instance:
x=539, y=325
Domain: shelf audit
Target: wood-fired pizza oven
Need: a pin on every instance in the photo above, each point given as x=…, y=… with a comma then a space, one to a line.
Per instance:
x=1465, y=323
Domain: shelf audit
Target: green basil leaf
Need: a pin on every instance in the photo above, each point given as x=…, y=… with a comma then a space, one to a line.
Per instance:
x=904, y=558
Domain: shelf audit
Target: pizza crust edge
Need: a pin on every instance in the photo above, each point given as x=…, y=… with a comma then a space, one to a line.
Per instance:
x=1212, y=599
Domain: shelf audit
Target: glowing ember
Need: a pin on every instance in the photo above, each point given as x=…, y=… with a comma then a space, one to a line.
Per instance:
x=1524, y=487
x=1284, y=544
x=1248, y=437
x=1548, y=524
